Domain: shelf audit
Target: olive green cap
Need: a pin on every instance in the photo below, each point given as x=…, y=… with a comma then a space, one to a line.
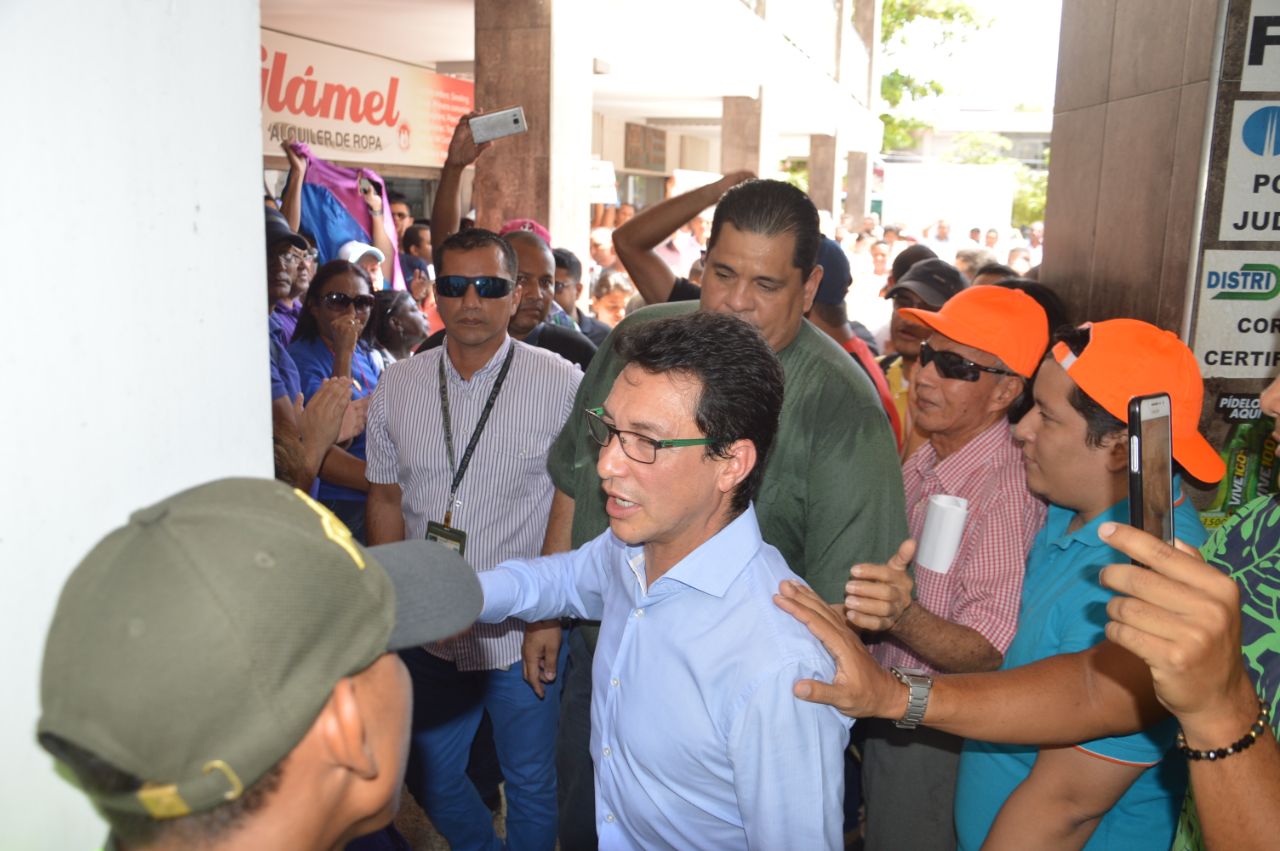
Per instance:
x=195, y=646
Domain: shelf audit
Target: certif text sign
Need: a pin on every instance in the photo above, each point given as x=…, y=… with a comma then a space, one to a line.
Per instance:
x=1239, y=319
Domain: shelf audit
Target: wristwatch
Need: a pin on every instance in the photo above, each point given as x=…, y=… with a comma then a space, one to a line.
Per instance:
x=918, y=684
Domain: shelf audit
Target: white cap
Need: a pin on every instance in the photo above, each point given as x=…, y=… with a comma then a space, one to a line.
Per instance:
x=354, y=250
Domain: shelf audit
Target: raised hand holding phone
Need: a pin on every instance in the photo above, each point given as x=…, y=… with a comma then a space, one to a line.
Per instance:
x=1151, y=465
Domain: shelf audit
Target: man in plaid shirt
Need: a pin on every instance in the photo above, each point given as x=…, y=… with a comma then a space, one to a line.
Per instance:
x=976, y=365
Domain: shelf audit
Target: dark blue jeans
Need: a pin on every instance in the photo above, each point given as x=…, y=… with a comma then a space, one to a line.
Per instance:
x=447, y=706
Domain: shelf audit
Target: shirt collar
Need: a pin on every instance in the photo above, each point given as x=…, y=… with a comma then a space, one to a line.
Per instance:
x=1058, y=519
x=490, y=368
x=712, y=567
x=953, y=470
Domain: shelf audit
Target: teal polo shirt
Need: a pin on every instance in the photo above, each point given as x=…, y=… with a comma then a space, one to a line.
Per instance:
x=1064, y=611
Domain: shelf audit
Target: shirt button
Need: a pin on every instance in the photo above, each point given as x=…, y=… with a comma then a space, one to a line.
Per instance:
x=608, y=751
x=614, y=682
x=609, y=818
x=639, y=613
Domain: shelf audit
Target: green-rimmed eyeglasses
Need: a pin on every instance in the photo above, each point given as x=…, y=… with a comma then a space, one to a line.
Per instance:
x=637, y=447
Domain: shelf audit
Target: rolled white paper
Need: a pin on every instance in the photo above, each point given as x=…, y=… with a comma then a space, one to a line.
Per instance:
x=943, y=528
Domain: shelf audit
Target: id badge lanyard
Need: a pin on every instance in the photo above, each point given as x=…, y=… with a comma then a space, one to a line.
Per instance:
x=458, y=470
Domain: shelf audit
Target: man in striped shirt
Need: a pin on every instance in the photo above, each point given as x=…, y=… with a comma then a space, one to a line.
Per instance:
x=985, y=345
x=457, y=445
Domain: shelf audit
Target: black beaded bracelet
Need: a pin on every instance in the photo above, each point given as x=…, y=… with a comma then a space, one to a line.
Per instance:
x=1264, y=714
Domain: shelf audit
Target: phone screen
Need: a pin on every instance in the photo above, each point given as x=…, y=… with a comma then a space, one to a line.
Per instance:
x=1154, y=466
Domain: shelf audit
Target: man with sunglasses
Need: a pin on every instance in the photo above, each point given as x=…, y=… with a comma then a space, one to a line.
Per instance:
x=981, y=349
x=457, y=452
x=535, y=286
x=1101, y=778
x=692, y=737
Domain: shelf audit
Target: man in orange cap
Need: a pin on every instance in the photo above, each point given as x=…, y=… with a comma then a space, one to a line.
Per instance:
x=1114, y=791
x=983, y=348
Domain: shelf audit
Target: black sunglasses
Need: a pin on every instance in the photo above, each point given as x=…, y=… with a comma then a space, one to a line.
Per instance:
x=951, y=365
x=487, y=286
x=341, y=301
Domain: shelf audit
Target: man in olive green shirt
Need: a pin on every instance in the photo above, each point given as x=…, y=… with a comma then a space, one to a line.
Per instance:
x=832, y=494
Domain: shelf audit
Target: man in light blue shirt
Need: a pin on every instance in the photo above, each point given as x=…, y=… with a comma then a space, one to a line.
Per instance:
x=696, y=738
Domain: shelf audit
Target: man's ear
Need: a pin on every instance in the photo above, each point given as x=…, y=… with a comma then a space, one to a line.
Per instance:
x=811, y=288
x=1007, y=391
x=341, y=729
x=738, y=465
x=1116, y=445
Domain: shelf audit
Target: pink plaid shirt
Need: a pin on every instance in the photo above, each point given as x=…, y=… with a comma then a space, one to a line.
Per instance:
x=983, y=589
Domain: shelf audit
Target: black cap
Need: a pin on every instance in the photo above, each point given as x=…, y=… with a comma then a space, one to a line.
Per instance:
x=835, y=272
x=933, y=280
x=908, y=257
x=278, y=230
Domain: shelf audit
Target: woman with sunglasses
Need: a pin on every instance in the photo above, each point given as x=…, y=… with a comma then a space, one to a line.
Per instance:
x=334, y=339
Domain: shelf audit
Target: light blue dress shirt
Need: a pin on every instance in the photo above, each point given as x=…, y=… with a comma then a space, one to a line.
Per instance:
x=697, y=739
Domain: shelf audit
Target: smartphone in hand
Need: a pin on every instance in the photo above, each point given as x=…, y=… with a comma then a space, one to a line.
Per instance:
x=1151, y=465
x=495, y=125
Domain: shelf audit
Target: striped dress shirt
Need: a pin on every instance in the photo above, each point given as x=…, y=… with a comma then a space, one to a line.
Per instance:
x=983, y=588
x=505, y=496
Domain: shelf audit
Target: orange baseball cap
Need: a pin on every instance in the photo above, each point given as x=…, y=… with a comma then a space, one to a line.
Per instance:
x=1125, y=358
x=1007, y=323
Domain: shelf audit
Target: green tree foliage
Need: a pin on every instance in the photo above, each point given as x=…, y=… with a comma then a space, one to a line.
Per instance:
x=979, y=148
x=953, y=20
x=796, y=172
x=1030, y=194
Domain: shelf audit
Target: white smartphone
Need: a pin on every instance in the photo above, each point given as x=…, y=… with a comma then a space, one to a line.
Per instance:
x=495, y=125
x=1151, y=465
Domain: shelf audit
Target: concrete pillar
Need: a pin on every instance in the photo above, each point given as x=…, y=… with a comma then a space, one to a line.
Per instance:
x=866, y=23
x=118, y=460
x=824, y=173
x=749, y=136
x=857, y=199
x=740, y=135
x=1118, y=227
x=528, y=53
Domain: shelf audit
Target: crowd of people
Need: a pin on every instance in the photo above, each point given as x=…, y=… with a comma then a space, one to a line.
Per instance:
x=623, y=547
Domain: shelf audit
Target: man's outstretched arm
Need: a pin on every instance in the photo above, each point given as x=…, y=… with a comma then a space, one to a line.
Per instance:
x=1102, y=691
x=636, y=241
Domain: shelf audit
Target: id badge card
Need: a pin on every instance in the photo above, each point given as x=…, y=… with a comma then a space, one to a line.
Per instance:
x=454, y=539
